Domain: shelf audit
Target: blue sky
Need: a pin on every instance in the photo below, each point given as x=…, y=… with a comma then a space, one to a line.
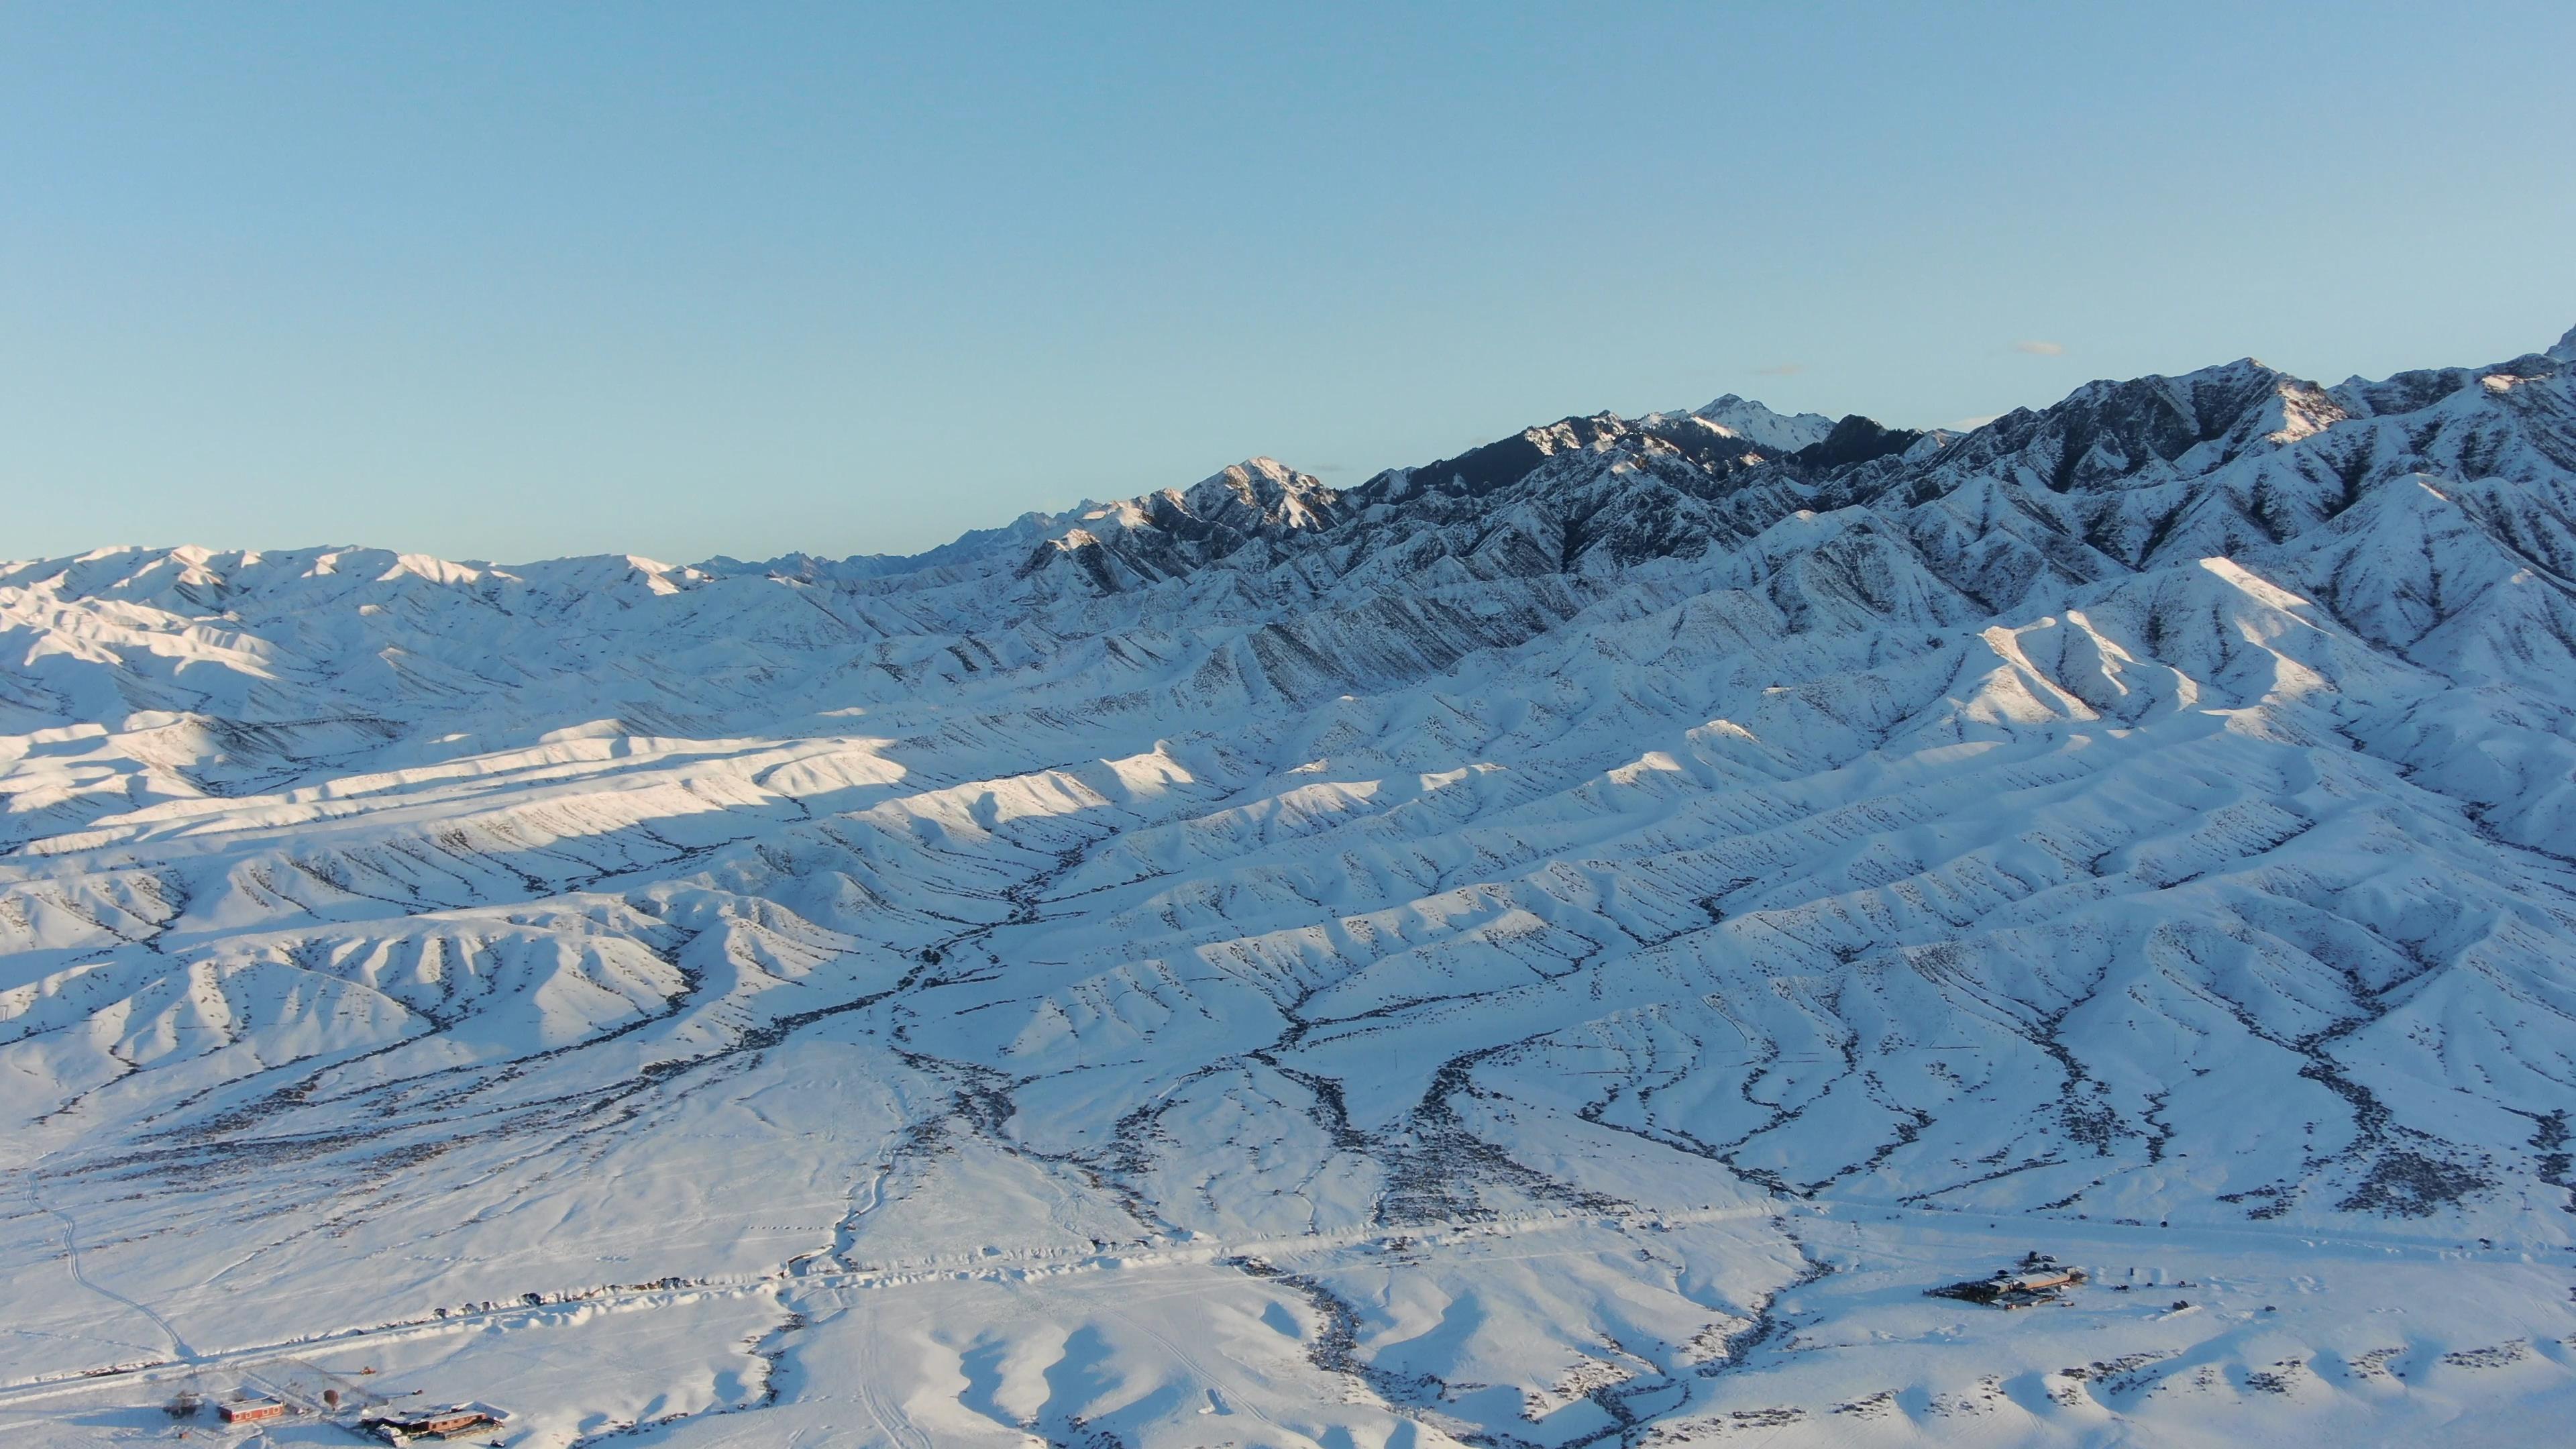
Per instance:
x=512, y=281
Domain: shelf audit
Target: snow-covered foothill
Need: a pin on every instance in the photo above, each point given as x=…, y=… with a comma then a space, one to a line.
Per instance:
x=1560, y=945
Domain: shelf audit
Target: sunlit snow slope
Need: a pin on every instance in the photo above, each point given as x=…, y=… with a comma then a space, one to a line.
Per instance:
x=1558, y=946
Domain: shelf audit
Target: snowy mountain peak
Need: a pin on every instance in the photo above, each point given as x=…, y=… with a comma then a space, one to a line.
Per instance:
x=1777, y=432
x=2565, y=351
x=1136, y=541
x=1263, y=494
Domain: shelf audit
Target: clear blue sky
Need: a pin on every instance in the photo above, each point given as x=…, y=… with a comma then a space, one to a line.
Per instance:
x=512, y=280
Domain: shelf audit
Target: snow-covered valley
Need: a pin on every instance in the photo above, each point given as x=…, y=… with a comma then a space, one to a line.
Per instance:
x=1558, y=946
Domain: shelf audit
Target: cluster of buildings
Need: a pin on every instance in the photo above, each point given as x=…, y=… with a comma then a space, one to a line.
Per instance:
x=446, y=1421
x=2037, y=1279
x=393, y=1425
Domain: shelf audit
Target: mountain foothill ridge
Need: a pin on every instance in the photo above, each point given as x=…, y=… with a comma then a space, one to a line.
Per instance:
x=1761, y=851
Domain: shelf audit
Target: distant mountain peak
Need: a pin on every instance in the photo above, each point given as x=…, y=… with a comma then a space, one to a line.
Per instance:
x=1264, y=492
x=1764, y=428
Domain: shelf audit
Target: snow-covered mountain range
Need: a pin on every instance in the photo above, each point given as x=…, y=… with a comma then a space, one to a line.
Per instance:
x=1554, y=946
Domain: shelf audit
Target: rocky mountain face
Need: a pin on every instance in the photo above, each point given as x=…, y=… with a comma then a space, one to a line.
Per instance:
x=2154, y=814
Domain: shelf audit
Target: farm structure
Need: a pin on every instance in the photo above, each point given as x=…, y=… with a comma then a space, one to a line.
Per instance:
x=250, y=1411
x=444, y=1422
x=2037, y=1279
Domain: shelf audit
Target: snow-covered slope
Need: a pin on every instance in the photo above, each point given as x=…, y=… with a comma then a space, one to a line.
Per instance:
x=1558, y=945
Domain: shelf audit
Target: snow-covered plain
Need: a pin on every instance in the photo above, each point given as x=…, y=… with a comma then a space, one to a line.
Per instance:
x=1559, y=946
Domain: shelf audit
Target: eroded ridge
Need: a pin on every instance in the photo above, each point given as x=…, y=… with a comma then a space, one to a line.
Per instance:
x=1559, y=946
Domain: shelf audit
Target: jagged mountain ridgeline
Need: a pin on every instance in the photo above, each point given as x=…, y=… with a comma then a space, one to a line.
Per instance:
x=1559, y=945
